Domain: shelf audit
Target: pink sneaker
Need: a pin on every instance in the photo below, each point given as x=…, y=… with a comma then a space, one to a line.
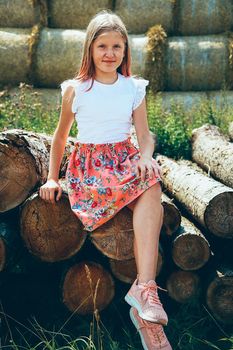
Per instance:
x=152, y=334
x=144, y=297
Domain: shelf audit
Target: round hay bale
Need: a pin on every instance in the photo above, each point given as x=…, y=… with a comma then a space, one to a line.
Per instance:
x=196, y=63
x=198, y=17
x=138, y=52
x=75, y=13
x=17, y=13
x=140, y=15
x=58, y=55
x=14, y=65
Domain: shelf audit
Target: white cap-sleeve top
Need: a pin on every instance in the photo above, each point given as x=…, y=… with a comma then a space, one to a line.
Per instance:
x=104, y=113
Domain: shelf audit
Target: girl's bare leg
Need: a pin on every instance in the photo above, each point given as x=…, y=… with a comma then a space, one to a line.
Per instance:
x=147, y=223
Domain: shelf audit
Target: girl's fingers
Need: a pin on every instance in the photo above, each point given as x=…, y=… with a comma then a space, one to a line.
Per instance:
x=59, y=194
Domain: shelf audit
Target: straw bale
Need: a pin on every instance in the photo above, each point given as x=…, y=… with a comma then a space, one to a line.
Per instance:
x=141, y=14
x=14, y=65
x=17, y=13
x=197, y=63
x=198, y=17
x=138, y=52
x=58, y=55
x=75, y=13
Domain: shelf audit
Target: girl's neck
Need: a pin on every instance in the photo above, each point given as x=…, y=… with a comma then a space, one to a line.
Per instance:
x=106, y=79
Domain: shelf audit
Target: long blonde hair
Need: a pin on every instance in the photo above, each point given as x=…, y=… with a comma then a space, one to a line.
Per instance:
x=103, y=21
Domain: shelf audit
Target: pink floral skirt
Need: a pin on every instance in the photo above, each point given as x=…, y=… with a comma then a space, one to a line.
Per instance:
x=101, y=179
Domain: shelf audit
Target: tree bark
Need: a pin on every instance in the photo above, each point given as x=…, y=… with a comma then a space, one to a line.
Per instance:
x=230, y=131
x=87, y=287
x=24, y=161
x=213, y=152
x=208, y=201
x=172, y=217
x=183, y=286
x=219, y=295
x=190, y=248
x=51, y=232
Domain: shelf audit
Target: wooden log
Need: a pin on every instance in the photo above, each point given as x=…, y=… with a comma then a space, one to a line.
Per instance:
x=183, y=286
x=190, y=248
x=51, y=232
x=213, y=152
x=172, y=217
x=219, y=295
x=230, y=131
x=115, y=238
x=24, y=161
x=126, y=270
x=87, y=287
x=208, y=201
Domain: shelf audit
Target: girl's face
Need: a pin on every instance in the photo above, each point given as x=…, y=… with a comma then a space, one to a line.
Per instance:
x=108, y=51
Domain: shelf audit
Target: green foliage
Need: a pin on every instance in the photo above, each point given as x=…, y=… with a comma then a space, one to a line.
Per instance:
x=25, y=111
x=174, y=127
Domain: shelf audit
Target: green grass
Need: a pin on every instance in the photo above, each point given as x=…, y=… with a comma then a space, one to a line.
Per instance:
x=173, y=128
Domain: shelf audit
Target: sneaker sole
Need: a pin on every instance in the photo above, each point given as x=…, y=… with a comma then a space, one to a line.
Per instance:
x=133, y=302
x=133, y=319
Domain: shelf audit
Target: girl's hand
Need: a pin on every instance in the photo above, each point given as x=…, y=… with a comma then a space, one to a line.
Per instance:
x=148, y=165
x=47, y=191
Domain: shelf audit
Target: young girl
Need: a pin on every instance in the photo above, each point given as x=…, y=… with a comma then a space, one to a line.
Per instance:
x=106, y=171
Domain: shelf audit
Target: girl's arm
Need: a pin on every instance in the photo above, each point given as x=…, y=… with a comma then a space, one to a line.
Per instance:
x=145, y=142
x=66, y=119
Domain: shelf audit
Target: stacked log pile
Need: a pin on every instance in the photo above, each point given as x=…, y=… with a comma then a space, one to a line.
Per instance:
x=198, y=220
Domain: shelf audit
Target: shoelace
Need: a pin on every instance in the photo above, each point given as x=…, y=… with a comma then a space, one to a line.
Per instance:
x=150, y=292
x=156, y=331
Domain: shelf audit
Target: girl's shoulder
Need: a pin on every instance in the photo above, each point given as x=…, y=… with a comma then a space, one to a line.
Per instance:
x=137, y=82
x=71, y=82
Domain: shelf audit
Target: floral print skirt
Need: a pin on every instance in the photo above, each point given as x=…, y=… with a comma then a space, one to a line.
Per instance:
x=102, y=179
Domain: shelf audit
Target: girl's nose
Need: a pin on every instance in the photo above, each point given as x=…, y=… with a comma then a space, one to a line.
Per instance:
x=109, y=53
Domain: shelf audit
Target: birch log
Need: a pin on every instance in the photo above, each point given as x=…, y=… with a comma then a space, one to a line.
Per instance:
x=87, y=286
x=190, y=248
x=208, y=201
x=230, y=131
x=51, y=232
x=172, y=217
x=213, y=152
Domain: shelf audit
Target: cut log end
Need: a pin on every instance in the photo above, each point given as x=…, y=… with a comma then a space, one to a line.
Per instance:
x=51, y=232
x=17, y=176
x=87, y=287
x=220, y=299
x=126, y=270
x=115, y=238
x=183, y=286
x=219, y=215
x=190, y=252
